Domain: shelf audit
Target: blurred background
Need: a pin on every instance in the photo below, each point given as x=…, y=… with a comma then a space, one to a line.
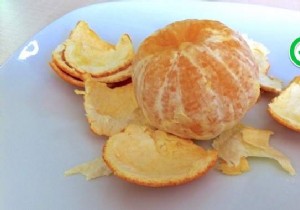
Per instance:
x=19, y=20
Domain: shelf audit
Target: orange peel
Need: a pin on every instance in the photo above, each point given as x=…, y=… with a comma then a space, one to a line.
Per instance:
x=155, y=158
x=228, y=169
x=260, y=53
x=65, y=76
x=88, y=53
x=109, y=110
x=285, y=107
x=241, y=142
x=270, y=84
x=85, y=46
x=91, y=169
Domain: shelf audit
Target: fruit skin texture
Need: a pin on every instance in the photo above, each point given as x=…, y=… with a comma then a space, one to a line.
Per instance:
x=195, y=78
x=285, y=107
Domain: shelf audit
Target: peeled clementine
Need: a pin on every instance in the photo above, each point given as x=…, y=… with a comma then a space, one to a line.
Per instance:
x=195, y=78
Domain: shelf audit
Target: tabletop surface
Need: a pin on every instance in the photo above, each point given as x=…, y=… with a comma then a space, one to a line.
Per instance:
x=19, y=20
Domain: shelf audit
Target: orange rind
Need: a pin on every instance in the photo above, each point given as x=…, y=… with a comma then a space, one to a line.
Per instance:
x=66, y=77
x=228, y=169
x=260, y=53
x=84, y=52
x=241, y=142
x=91, y=169
x=60, y=62
x=88, y=53
x=155, y=158
x=109, y=110
x=270, y=84
x=285, y=107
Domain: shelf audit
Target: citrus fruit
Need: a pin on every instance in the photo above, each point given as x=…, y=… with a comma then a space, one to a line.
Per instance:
x=195, y=78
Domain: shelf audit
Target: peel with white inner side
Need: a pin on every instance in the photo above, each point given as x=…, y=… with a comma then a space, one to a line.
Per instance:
x=155, y=158
x=242, y=141
x=98, y=60
x=109, y=110
x=91, y=169
x=285, y=108
x=260, y=53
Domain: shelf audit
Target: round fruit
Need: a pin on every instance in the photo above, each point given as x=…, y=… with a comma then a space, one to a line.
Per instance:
x=195, y=78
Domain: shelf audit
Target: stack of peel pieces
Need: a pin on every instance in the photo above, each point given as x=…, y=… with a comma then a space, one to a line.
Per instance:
x=85, y=53
x=135, y=151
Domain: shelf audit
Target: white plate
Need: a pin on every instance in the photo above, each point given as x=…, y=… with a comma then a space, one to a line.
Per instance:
x=44, y=130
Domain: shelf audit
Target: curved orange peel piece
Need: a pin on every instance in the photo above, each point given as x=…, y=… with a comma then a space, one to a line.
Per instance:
x=154, y=158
